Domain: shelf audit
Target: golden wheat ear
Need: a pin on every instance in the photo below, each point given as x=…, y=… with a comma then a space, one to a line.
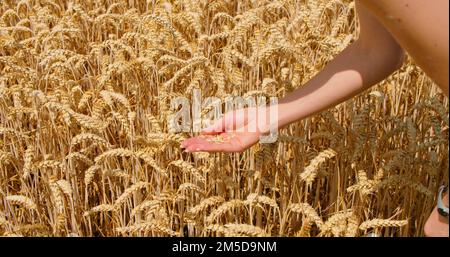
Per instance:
x=86, y=148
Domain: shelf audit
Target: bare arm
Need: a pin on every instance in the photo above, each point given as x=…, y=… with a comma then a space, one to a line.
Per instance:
x=421, y=27
x=370, y=59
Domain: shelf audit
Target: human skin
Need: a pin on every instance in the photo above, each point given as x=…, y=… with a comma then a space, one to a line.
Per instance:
x=370, y=59
x=421, y=28
x=387, y=29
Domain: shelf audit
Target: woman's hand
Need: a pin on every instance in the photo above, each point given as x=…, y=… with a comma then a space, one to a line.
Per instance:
x=234, y=132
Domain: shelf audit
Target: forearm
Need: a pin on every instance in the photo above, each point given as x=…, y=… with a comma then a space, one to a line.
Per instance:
x=354, y=70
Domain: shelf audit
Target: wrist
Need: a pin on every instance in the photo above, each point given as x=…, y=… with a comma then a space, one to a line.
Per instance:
x=268, y=119
x=275, y=116
x=282, y=115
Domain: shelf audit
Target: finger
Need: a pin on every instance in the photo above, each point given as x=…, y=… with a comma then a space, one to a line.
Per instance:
x=202, y=143
x=202, y=139
x=187, y=142
x=207, y=147
x=194, y=141
x=184, y=143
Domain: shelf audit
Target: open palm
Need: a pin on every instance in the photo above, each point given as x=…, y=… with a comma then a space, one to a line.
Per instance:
x=232, y=133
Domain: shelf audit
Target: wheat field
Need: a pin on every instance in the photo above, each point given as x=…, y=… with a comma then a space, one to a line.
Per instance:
x=85, y=148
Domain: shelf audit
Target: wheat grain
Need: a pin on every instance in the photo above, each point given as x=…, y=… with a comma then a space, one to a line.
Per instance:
x=21, y=200
x=90, y=173
x=205, y=203
x=85, y=105
x=246, y=229
x=380, y=223
x=308, y=211
x=129, y=192
x=310, y=172
x=186, y=167
x=147, y=226
x=223, y=208
x=100, y=208
x=149, y=204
